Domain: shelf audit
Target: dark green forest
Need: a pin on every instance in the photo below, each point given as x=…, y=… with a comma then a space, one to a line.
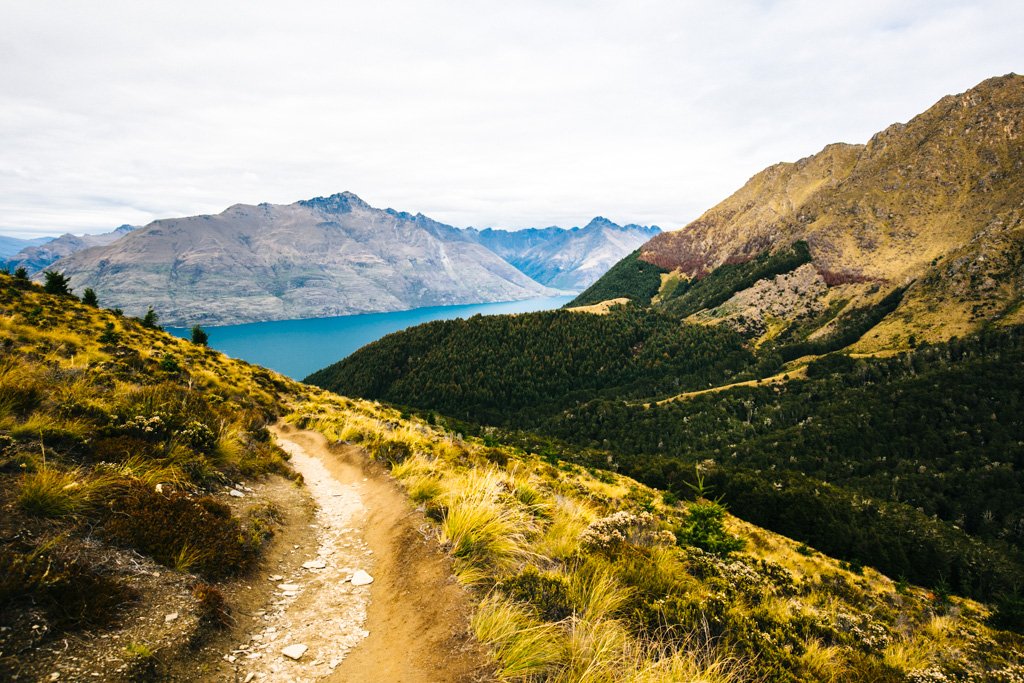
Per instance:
x=519, y=369
x=630, y=277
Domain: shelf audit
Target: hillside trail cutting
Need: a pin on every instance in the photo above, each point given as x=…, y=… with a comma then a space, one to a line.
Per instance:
x=409, y=625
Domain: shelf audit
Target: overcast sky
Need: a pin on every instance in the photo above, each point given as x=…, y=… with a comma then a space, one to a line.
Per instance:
x=513, y=114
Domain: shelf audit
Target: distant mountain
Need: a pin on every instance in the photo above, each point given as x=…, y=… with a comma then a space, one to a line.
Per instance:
x=330, y=256
x=566, y=259
x=37, y=258
x=322, y=257
x=9, y=246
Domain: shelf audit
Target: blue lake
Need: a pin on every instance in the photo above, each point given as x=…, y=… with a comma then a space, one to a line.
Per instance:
x=298, y=347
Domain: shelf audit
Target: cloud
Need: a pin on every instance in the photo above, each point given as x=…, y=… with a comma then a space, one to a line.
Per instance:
x=475, y=113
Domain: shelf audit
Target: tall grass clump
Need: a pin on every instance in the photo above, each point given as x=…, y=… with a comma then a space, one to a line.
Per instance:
x=51, y=492
x=524, y=649
x=480, y=528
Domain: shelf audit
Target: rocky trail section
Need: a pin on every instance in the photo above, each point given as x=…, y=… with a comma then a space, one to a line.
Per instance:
x=376, y=600
x=318, y=611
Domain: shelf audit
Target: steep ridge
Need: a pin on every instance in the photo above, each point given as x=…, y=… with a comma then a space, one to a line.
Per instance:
x=933, y=204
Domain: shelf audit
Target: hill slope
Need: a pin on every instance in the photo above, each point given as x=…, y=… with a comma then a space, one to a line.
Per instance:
x=575, y=573
x=850, y=451
x=933, y=204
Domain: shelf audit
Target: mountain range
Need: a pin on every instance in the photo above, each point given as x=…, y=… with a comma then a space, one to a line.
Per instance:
x=933, y=206
x=38, y=255
x=330, y=256
x=9, y=246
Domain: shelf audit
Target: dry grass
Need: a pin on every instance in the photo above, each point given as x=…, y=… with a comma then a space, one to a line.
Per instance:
x=525, y=649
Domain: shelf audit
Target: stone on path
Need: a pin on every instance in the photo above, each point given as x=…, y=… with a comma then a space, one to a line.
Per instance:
x=361, y=578
x=294, y=651
x=314, y=564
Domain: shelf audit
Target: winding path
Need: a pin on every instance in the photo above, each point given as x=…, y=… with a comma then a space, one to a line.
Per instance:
x=410, y=625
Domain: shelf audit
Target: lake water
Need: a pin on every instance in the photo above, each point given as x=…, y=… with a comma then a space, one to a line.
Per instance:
x=298, y=347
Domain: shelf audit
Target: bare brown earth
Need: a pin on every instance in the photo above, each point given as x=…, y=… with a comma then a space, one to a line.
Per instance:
x=418, y=617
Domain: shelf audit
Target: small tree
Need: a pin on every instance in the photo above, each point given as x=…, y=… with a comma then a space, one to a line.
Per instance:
x=149, y=320
x=199, y=336
x=704, y=527
x=55, y=283
x=109, y=335
x=21, y=273
x=89, y=297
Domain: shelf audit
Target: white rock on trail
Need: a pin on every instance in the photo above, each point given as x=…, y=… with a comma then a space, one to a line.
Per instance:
x=295, y=615
x=295, y=651
x=361, y=578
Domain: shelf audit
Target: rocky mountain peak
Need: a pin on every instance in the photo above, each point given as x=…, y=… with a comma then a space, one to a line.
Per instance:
x=340, y=202
x=598, y=222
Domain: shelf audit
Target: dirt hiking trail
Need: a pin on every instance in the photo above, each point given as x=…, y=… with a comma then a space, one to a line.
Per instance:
x=410, y=624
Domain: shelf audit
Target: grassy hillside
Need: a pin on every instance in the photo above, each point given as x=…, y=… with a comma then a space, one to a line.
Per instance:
x=119, y=439
x=934, y=432
x=116, y=439
x=586, y=575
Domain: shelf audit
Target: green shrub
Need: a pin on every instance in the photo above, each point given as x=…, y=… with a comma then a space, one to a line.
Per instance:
x=109, y=335
x=55, y=283
x=546, y=593
x=704, y=527
x=150, y=319
x=199, y=336
x=169, y=363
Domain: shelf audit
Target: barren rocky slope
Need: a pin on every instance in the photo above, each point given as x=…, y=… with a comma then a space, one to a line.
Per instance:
x=326, y=256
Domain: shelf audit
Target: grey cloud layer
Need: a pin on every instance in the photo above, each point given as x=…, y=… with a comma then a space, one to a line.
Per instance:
x=509, y=114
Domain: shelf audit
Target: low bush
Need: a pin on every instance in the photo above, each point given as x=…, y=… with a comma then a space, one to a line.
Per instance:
x=546, y=593
x=176, y=529
x=704, y=528
x=71, y=592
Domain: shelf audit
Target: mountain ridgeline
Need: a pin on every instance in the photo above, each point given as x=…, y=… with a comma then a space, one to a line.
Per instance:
x=324, y=257
x=836, y=348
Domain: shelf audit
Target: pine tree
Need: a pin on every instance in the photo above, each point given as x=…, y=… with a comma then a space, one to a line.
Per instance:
x=56, y=283
x=199, y=336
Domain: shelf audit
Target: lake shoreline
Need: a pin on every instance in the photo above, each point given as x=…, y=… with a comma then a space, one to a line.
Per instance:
x=299, y=347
